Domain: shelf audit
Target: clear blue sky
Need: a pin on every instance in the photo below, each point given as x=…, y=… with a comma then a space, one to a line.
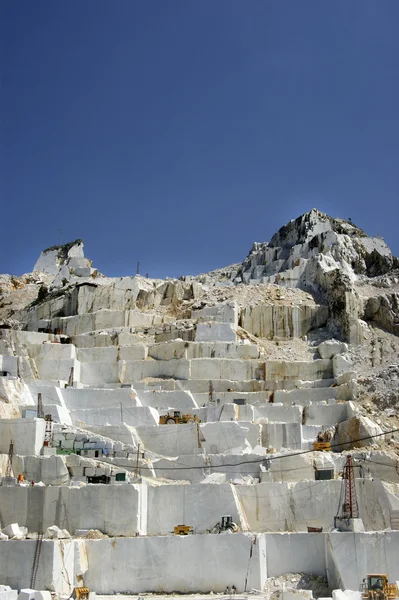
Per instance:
x=177, y=132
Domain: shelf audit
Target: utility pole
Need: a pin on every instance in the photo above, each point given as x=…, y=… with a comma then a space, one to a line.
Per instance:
x=71, y=374
x=40, y=411
x=137, y=461
x=211, y=393
x=138, y=268
x=48, y=434
x=10, y=457
x=350, y=507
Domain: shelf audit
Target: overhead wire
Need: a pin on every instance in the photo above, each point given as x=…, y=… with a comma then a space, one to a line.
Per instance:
x=250, y=462
x=293, y=454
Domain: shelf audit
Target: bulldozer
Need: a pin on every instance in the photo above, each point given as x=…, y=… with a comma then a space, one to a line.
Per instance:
x=176, y=418
x=376, y=587
x=226, y=525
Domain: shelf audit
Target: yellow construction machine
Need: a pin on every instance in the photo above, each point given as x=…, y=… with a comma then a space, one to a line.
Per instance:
x=182, y=529
x=322, y=446
x=226, y=525
x=376, y=587
x=323, y=441
x=176, y=418
x=80, y=593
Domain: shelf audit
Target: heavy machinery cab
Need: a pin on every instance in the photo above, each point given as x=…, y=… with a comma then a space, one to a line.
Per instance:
x=225, y=525
x=376, y=586
x=227, y=522
x=375, y=582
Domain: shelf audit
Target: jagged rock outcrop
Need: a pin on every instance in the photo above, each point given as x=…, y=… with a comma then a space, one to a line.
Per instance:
x=65, y=262
x=344, y=272
x=329, y=258
x=313, y=242
x=383, y=311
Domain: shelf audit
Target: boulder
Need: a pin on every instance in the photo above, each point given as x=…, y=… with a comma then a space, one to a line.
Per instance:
x=330, y=348
x=341, y=365
x=55, y=533
x=12, y=530
x=351, y=433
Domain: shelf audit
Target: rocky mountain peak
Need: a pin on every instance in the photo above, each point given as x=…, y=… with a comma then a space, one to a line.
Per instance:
x=307, y=226
x=64, y=262
x=315, y=240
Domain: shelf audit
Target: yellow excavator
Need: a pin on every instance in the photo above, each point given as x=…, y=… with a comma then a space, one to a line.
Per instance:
x=376, y=587
x=176, y=418
x=323, y=441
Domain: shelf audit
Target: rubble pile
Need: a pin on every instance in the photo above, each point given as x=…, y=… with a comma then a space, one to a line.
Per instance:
x=318, y=586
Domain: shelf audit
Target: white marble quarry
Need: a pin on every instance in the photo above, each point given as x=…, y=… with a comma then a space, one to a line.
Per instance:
x=327, y=414
x=283, y=506
x=154, y=564
x=51, y=350
x=27, y=435
x=306, y=396
x=258, y=398
x=226, y=312
x=136, y=370
x=233, y=370
x=214, y=332
x=301, y=467
x=282, y=322
x=296, y=553
x=278, y=413
x=51, y=470
x=58, y=369
x=317, y=369
x=120, y=433
x=164, y=399
x=263, y=367
x=195, y=468
x=97, y=373
x=103, y=319
x=15, y=394
x=200, y=506
x=358, y=429
x=221, y=412
x=86, y=398
x=135, y=416
x=242, y=560
x=230, y=436
x=376, y=552
x=57, y=566
x=216, y=349
x=284, y=435
x=9, y=365
x=115, y=509
x=169, y=440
